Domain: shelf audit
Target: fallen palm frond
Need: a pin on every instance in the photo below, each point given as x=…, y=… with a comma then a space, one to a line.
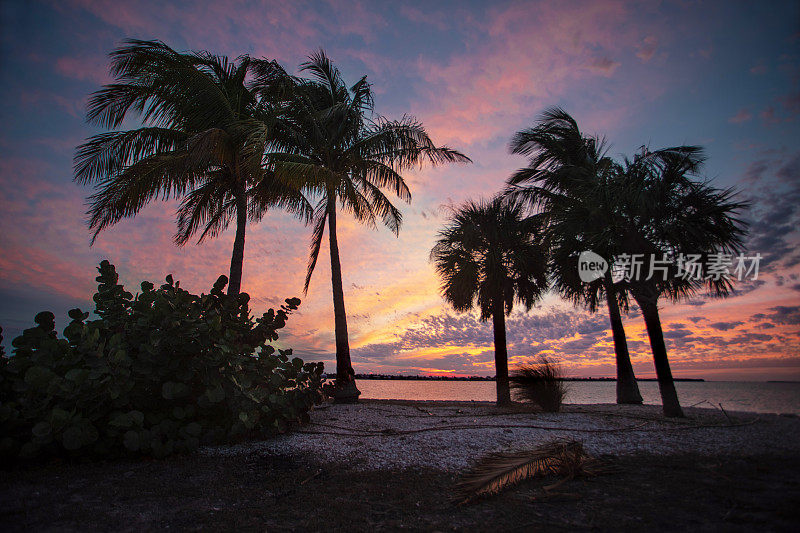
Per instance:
x=565, y=458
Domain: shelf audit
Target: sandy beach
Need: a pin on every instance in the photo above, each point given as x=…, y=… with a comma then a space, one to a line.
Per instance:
x=390, y=434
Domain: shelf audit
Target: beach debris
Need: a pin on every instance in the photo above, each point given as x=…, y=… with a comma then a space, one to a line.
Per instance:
x=724, y=412
x=497, y=471
x=315, y=474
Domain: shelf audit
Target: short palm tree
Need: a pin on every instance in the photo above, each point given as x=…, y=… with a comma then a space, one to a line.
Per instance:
x=664, y=211
x=490, y=255
x=566, y=180
x=334, y=148
x=196, y=144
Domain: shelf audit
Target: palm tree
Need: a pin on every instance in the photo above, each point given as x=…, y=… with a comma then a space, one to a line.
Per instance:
x=196, y=144
x=490, y=255
x=567, y=180
x=333, y=147
x=665, y=212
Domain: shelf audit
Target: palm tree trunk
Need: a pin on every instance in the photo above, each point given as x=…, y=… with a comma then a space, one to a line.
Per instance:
x=627, y=387
x=237, y=258
x=346, y=391
x=500, y=353
x=666, y=385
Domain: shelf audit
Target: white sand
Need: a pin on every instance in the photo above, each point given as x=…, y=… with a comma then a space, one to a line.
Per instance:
x=369, y=435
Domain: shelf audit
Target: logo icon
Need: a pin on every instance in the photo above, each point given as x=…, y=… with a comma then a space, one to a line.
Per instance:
x=591, y=266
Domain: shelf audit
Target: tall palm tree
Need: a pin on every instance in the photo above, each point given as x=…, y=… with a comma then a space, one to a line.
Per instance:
x=489, y=255
x=666, y=211
x=196, y=144
x=567, y=181
x=334, y=148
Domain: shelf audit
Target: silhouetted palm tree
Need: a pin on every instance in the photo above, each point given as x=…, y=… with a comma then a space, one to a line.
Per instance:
x=197, y=144
x=489, y=255
x=664, y=212
x=567, y=181
x=334, y=148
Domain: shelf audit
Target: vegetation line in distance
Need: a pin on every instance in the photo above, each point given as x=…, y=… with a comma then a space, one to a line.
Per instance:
x=484, y=378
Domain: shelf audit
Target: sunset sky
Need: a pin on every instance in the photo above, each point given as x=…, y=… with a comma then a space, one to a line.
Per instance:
x=725, y=75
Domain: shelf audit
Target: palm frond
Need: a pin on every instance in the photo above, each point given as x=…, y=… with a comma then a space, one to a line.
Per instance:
x=164, y=87
x=162, y=176
x=269, y=192
x=323, y=70
x=107, y=154
x=210, y=205
x=382, y=207
x=498, y=471
x=319, y=219
x=353, y=200
x=404, y=144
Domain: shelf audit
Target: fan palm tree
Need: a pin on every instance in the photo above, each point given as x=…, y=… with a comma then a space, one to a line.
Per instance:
x=666, y=211
x=489, y=255
x=197, y=144
x=567, y=181
x=334, y=148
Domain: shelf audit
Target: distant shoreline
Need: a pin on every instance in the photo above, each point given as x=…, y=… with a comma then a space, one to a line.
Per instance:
x=482, y=378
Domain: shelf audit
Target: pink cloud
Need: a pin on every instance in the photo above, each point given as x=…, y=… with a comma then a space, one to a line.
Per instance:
x=282, y=30
x=743, y=115
x=792, y=102
x=769, y=116
x=509, y=71
x=437, y=19
x=86, y=67
x=603, y=65
x=24, y=265
x=353, y=17
x=647, y=48
x=36, y=98
x=706, y=53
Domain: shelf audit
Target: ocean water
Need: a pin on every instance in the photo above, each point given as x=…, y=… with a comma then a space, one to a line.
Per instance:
x=757, y=397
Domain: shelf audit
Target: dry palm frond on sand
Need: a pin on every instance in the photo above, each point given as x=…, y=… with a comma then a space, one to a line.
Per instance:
x=565, y=458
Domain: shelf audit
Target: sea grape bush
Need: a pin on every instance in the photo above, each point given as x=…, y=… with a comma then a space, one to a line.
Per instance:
x=155, y=374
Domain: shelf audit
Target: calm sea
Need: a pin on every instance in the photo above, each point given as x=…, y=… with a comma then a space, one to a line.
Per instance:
x=733, y=395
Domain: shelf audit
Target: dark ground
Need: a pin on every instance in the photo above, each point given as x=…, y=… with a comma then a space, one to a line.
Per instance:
x=276, y=493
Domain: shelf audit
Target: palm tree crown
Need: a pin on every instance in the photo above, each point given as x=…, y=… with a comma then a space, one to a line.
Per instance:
x=335, y=147
x=196, y=144
x=489, y=253
x=567, y=183
x=667, y=209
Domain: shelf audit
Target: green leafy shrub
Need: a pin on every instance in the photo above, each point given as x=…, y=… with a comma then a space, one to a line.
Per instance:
x=155, y=374
x=540, y=383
